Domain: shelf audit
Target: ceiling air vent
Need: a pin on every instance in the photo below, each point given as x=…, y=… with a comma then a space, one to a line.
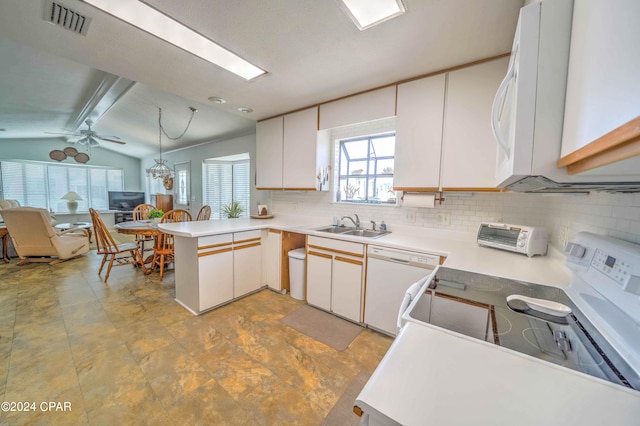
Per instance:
x=59, y=14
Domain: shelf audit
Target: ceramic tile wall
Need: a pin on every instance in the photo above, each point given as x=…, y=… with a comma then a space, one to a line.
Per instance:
x=617, y=215
x=465, y=212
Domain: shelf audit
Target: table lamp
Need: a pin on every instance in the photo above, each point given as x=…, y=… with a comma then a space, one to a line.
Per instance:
x=72, y=201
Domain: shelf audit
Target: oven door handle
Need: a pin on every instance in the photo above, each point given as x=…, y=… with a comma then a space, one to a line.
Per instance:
x=410, y=295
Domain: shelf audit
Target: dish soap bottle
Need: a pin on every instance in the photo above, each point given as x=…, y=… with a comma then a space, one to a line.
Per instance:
x=383, y=226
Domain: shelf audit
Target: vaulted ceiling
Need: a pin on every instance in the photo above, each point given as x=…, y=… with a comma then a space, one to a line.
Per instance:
x=52, y=79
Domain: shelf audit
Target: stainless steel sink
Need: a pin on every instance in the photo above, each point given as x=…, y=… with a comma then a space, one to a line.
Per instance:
x=366, y=233
x=336, y=229
x=348, y=230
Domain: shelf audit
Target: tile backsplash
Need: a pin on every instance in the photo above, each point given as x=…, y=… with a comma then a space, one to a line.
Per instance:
x=617, y=215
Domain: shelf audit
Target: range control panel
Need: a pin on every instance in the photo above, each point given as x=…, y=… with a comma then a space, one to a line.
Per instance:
x=615, y=268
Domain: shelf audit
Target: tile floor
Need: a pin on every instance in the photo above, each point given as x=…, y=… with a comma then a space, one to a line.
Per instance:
x=126, y=353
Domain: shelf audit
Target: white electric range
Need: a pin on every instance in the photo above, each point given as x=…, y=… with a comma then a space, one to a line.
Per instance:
x=477, y=349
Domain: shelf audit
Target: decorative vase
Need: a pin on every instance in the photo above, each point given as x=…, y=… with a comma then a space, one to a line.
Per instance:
x=72, y=205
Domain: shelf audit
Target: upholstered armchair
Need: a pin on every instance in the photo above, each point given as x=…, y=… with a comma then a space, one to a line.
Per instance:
x=8, y=204
x=35, y=240
x=7, y=246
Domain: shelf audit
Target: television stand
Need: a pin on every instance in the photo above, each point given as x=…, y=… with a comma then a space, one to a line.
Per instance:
x=123, y=216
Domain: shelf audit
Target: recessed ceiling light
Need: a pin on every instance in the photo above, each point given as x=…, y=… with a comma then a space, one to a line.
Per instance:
x=216, y=100
x=148, y=19
x=245, y=110
x=366, y=13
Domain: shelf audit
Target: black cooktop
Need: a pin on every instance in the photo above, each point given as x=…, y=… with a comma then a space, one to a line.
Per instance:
x=476, y=305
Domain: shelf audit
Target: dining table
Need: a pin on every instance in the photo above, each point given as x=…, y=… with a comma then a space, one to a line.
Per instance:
x=143, y=228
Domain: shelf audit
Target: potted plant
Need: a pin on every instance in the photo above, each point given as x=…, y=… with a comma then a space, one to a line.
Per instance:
x=155, y=215
x=233, y=210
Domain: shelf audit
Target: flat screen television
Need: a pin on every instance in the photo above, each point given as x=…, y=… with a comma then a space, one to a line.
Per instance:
x=125, y=201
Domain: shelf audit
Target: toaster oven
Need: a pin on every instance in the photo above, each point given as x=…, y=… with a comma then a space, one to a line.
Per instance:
x=529, y=240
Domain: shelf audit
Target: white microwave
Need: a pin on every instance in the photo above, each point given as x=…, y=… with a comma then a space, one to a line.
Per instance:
x=529, y=240
x=528, y=110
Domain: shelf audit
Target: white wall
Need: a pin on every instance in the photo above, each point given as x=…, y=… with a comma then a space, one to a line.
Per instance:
x=39, y=149
x=198, y=153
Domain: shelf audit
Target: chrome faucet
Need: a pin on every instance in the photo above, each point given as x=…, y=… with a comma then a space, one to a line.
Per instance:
x=355, y=222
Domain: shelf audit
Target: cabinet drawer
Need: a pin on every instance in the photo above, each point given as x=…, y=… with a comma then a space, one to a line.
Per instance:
x=244, y=236
x=345, y=247
x=214, y=241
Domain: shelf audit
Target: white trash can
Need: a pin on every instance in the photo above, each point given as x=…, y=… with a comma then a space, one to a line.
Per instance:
x=297, y=273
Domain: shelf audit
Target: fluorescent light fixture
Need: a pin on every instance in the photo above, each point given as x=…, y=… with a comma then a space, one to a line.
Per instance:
x=154, y=22
x=367, y=13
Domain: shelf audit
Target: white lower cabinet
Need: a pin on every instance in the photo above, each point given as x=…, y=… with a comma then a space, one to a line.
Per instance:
x=215, y=271
x=335, y=271
x=246, y=262
x=346, y=287
x=319, y=279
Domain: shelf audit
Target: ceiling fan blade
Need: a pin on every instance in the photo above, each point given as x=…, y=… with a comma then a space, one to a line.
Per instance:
x=62, y=134
x=112, y=140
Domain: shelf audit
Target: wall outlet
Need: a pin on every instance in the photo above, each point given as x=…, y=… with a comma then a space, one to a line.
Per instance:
x=443, y=218
x=563, y=236
x=410, y=216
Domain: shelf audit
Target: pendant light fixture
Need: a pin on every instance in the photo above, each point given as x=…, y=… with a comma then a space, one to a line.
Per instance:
x=160, y=170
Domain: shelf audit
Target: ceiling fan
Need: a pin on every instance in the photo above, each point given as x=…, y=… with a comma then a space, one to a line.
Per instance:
x=88, y=137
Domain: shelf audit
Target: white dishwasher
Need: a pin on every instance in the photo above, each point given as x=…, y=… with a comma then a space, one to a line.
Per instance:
x=390, y=273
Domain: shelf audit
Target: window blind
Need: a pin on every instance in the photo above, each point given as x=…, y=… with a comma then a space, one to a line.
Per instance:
x=224, y=182
x=23, y=181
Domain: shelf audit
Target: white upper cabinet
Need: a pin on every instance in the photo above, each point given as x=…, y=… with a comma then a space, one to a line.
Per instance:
x=269, y=153
x=290, y=152
x=603, y=84
x=299, y=149
x=369, y=106
x=469, y=148
x=419, y=133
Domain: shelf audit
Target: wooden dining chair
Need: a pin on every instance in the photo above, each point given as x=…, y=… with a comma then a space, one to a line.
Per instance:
x=163, y=249
x=204, y=213
x=117, y=254
x=140, y=212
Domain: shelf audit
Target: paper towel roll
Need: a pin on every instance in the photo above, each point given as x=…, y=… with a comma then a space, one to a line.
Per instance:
x=427, y=201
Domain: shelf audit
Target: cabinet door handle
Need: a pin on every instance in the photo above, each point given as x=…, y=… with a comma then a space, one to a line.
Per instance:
x=344, y=259
x=315, y=253
x=246, y=246
x=209, y=253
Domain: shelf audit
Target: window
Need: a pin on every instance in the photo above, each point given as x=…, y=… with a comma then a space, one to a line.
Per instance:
x=366, y=169
x=23, y=181
x=226, y=179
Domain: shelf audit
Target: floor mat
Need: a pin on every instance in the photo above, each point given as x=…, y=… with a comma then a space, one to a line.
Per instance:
x=322, y=326
x=342, y=413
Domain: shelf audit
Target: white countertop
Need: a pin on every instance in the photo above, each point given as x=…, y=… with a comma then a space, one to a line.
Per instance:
x=461, y=250
x=433, y=375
